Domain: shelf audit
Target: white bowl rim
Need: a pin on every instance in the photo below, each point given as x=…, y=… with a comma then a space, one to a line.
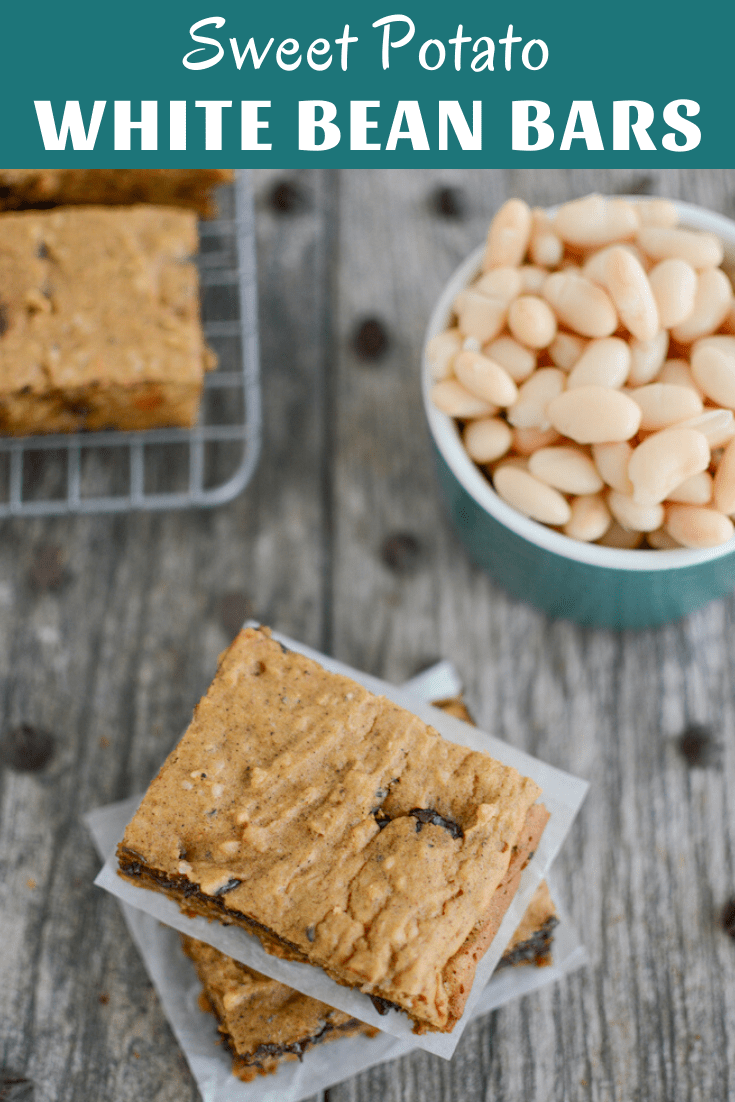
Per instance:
x=446, y=436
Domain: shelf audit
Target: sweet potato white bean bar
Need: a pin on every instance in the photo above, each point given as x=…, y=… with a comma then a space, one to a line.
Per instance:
x=337, y=827
x=264, y=1023
x=99, y=320
x=592, y=369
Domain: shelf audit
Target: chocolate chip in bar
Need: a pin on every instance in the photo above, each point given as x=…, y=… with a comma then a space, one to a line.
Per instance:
x=229, y=886
x=383, y=1006
x=425, y=815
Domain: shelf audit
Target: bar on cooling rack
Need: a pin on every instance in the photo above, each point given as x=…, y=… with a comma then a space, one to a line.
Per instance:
x=99, y=320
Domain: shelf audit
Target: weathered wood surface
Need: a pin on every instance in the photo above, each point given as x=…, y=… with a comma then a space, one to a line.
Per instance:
x=111, y=652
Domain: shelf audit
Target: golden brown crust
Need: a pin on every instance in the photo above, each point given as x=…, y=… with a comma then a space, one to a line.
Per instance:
x=461, y=969
x=335, y=823
x=257, y=1015
x=264, y=1022
x=455, y=706
x=99, y=320
x=21, y=188
x=539, y=913
x=531, y=942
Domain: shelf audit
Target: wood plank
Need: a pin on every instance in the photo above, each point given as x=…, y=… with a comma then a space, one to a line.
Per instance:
x=650, y=862
x=341, y=540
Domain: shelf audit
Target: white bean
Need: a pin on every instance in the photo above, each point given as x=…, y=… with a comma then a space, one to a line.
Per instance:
x=696, y=490
x=664, y=404
x=660, y=540
x=679, y=373
x=532, y=278
x=590, y=518
x=580, y=304
x=658, y=212
x=612, y=461
x=545, y=247
x=695, y=526
x=508, y=236
x=594, y=220
x=723, y=341
x=604, y=362
x=594, y=415
x=629, y=514
x=479, y=316
x=674, y=285
x=718, y=425
x=646, y=358
x=518, y=361
x=485, y=378
x=664, y=460
x=631, y=294
x=488, y=439
x=712, y=301
x=527, y=441
x=502, y=284
x=519, y=462
x=534, y=396
x=724, y=489
x=440, y=352
x=623, y=538
x=451, y=397
x=530, y=496
x=701, y=250
x=714, y=372
x=532, y=321
x=598, y=266
x=567, y=469
x=595, y=266
x=565, y=350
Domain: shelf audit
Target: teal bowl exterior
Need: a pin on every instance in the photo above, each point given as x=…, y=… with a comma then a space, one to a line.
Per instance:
x=596, y=596
x=566, y=579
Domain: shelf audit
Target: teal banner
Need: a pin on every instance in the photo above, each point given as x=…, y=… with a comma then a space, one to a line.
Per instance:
x=395, y=84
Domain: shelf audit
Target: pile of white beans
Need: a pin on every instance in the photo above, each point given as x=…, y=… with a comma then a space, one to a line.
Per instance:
x=592, y=369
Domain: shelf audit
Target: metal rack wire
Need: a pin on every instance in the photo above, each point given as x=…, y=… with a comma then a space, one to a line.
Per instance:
x=113, y=472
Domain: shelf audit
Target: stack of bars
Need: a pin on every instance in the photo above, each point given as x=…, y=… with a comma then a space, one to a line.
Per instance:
x=99, y=302
x=343, y=832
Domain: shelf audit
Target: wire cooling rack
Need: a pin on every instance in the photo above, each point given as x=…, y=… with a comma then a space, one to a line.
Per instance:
x=113, y=472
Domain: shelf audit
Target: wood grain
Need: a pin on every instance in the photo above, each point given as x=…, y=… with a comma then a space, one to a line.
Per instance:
x=112, y=657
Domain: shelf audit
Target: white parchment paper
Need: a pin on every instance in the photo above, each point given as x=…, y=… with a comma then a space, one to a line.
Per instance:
x=562, y=795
